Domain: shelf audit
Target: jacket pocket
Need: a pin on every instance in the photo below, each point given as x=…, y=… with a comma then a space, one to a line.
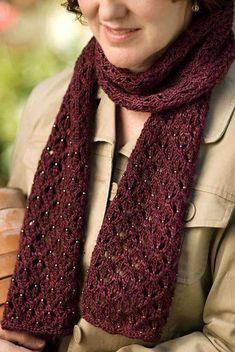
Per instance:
x=207, y=212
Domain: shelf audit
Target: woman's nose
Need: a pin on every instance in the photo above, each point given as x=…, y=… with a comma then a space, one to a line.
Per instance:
x=110, y=10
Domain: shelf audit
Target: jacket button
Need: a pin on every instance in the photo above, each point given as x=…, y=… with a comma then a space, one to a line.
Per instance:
x=77, y=333
x=190, y=212
x=113, y=190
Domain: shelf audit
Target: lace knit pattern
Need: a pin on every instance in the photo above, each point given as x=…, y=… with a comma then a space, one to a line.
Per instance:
x=132, y=276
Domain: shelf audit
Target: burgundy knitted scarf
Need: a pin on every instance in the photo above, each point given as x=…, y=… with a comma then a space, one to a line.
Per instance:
x=138, y=246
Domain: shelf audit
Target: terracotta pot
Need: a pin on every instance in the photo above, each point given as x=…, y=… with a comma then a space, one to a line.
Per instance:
x=12, y=208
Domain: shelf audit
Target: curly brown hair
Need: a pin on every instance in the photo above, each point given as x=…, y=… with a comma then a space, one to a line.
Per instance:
x=73, y=6
x=208, y=5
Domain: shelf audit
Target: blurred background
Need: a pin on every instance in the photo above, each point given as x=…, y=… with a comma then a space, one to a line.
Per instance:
x=37, y=39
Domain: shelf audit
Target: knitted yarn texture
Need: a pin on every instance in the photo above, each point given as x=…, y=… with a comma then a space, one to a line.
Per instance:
x=138, y=246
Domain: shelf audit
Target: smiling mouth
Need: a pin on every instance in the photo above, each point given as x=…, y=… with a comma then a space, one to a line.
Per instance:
x=119, y=34
x=121, y=30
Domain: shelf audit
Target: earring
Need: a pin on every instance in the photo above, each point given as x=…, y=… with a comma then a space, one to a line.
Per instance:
x=195, y=6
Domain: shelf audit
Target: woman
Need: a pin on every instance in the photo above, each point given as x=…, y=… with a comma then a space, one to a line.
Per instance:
x=162, y=71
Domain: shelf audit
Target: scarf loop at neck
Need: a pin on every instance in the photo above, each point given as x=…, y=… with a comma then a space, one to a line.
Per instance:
x=130, y=283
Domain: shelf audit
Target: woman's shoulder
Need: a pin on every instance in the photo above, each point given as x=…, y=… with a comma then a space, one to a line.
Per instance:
x=224, y=91
x=45, y=100
x=221, y=107
x=54, y=86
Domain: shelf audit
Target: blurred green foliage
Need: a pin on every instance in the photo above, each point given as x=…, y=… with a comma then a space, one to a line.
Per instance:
x=20, y=71
x=45, y=40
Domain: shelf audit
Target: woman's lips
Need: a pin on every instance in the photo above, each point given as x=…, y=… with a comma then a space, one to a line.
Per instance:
x=119, y=34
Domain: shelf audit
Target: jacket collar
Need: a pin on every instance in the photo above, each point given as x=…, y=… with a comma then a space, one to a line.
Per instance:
x=105, y=119
x=105, y=126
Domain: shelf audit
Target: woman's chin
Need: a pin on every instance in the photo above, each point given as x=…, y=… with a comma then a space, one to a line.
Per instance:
x=122, y=59
x=118, y=61
x=119, y=57
x=126, y=63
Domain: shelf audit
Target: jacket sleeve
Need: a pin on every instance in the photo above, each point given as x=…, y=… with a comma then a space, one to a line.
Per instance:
x=218, y=333
x=17, y=173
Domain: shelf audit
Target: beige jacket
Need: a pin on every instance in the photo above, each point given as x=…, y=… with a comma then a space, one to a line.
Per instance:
x=202, y=315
